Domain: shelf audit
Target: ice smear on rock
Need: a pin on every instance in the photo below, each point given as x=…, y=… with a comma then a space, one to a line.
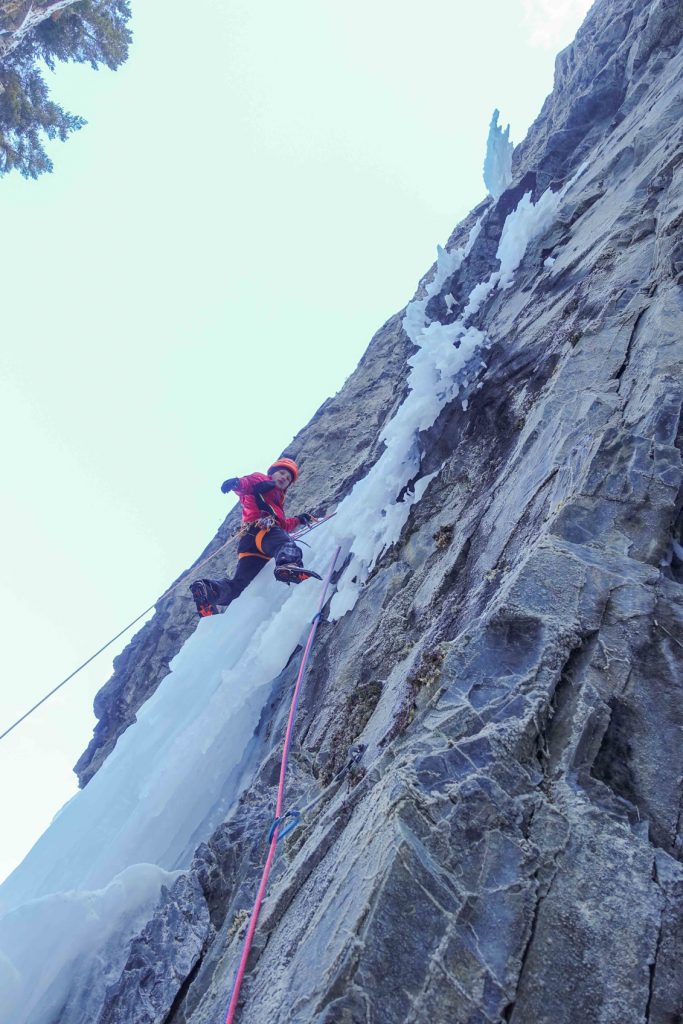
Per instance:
x=446, y=265
x=527, y=221
x=176, y=772
x=156, y=796
x=498, y=161
x=54, y=932
x=447, y=359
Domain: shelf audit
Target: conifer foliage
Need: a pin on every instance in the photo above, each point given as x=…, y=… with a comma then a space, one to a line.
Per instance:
x=90, y=31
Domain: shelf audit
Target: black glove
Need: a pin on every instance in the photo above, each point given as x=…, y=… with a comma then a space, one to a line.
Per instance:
x=306, y=519
x=230, y=485
x=263, y=485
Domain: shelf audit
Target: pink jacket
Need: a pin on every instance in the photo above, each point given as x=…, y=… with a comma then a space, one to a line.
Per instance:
x=273, y=498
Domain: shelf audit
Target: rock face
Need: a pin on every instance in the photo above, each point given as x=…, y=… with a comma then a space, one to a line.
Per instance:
x=510, y=849
x=347, y=424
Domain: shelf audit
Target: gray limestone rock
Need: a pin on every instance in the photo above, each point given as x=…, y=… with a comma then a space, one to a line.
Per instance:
x=348, y=423
x=511, y=848
x=161, y=958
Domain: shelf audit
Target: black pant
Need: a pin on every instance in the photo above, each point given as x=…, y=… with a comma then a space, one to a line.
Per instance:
x=256, y=548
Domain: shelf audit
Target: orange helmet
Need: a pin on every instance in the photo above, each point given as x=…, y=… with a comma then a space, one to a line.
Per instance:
x=288, y=464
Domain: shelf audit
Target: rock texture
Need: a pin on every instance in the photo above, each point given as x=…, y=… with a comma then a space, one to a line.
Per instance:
x=347, y=424
x=510, y=850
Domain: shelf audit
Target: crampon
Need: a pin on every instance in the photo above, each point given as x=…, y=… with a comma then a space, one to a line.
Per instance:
x=294, y=574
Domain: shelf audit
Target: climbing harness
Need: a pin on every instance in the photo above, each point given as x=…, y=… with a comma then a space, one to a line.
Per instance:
x=275, y=828
x=266, y=522
x=262, y=524
x=130, y=625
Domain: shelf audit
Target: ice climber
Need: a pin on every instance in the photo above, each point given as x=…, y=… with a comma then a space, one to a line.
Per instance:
x=264, y=535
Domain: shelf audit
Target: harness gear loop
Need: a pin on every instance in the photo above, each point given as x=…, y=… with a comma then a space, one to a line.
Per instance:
x=264, y=523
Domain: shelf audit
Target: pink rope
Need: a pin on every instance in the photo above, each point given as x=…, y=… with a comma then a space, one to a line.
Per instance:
x=166, y=593
x=253, y=921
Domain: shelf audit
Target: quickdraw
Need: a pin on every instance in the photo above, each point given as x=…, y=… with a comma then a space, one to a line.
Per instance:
x=355, y=754
x=265, y=523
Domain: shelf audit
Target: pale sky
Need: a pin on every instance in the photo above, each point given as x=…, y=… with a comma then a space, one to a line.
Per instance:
x=258, y=189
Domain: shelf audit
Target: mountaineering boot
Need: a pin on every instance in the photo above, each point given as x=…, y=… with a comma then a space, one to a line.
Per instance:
x=204, y=593
x=290, y=573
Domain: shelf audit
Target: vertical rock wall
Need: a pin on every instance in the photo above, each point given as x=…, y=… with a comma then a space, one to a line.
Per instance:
x=510, y=848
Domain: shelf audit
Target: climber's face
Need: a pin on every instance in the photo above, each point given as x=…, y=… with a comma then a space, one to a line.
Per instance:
x=282, y=478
